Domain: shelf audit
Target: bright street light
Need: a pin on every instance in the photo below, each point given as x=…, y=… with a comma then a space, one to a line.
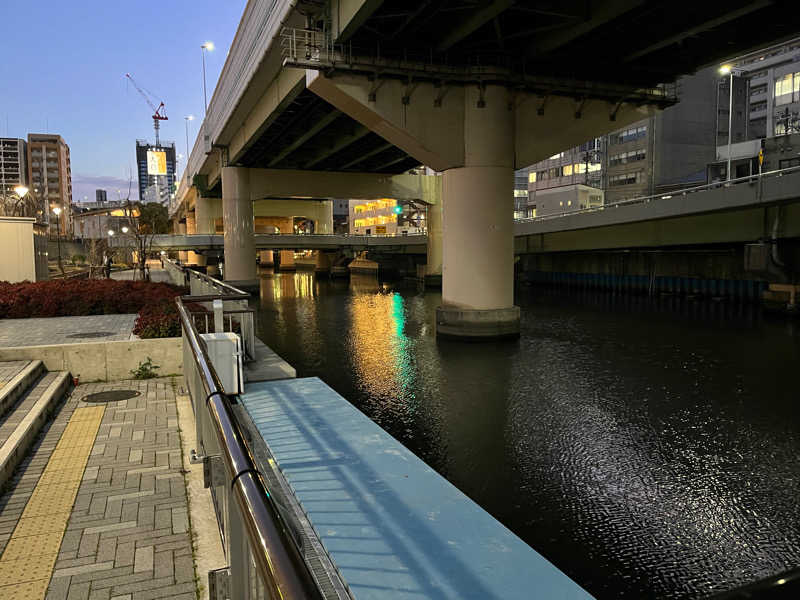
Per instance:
x=210, y=47
x=20, y=190
x=729, y=70
x=57, y=210
x=110, y=232
x=124, y=230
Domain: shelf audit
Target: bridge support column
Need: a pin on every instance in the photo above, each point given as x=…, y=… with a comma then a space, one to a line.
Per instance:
x=478, y=220
x=237, y=209
x=434, y=227
x=206, y=213
x=266, y=258
x=180, y=228
x=193, y=258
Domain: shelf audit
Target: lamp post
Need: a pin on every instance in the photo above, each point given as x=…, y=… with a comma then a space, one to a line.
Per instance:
x=186, y=119
x=57, y=213
x=206, y=46
x=730, y=71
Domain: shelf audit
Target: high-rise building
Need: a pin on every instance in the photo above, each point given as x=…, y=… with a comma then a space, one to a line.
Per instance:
x=13, y=164
x=664, y=152
x=156, y=170
x=100, y=196
x=50, y=175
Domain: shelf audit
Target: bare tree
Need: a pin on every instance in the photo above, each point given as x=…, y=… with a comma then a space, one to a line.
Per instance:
x=145, y=221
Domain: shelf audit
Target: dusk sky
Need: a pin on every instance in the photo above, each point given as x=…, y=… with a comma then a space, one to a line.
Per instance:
x=64, y=72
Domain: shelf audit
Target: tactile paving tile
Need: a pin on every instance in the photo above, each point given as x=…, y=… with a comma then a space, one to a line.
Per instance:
x=32, y=545
x=27, y=569
x=26, y=564
x=38, y=524
x=30, y=590
x=65, y=476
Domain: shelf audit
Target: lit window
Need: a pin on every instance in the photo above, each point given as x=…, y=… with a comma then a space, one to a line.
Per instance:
x=532, y=177
x=567, y=170
x=569, y=202
x=561, y=203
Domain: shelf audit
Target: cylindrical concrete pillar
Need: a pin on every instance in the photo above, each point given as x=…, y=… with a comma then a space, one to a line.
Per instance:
x=324, y=223
x=206, y=213
x=237, y=209
x=193, y=258
x=287, y=260
x=434, y=227
x=477, y=224
x=180, y=228
x=267, y=259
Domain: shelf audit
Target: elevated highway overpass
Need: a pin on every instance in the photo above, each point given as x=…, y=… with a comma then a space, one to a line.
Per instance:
x=470, y=89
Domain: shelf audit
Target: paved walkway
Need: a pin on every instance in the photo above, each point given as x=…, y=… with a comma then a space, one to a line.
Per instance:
x=65, y=330
x=98, y=509
x=157, y=275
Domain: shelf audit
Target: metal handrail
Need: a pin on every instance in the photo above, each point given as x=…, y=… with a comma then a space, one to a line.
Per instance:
x=666, y=195
x=229, y=289
x=277, y=557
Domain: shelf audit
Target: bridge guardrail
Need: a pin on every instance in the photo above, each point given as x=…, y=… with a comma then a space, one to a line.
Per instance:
x=665, y=196
x=264, y=556
x=204, y=290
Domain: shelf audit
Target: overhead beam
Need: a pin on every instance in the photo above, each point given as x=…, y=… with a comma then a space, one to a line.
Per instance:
x=385, y=165
x=721, y=20
x=361, y=158
x=310, y=133
x=473, y=23
x=605, y=12
x=341, y=144
x=348, y=16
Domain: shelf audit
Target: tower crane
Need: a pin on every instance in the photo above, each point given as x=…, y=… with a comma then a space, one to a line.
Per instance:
x=159, y=112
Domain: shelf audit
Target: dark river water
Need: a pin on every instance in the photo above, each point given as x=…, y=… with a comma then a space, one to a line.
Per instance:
x=647, y=447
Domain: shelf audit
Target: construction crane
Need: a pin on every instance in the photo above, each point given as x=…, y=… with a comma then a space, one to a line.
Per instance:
x=159, y=112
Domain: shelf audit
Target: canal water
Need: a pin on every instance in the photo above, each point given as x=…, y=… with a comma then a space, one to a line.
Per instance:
x=647, y=447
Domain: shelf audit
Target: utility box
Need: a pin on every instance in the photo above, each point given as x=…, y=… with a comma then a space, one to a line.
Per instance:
x=225, y=352
x=756, y=257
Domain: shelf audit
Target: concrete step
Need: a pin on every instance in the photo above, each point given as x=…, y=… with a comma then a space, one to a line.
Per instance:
x=22, y=421
x=16, y=377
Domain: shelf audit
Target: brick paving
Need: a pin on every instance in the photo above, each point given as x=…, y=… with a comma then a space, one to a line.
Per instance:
x=59, y=330
x=128, y=534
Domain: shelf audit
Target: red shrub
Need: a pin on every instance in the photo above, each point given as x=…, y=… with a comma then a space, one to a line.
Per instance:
x=72, y=297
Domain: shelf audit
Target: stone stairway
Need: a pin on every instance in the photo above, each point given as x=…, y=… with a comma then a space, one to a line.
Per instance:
x=28, y=395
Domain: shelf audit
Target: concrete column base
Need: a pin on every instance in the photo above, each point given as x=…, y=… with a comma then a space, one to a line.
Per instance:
x=472, y=324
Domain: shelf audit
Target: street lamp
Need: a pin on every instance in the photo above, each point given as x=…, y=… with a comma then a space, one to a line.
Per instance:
x=111, y=233
x=186, y=119
x=124, y=229
x=21, y=191
x=730, y=71
x=210, y=47
x=57, y=213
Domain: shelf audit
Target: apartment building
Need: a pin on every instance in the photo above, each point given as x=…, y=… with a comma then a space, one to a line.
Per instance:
x=13, y=164
x=50, y=175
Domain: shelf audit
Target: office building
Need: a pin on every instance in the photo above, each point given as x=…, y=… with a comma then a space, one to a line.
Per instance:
x=13, y=164
x=100, y=196
x=50, y=176
x=155, y=167
x=766, y=103
x=664, y=152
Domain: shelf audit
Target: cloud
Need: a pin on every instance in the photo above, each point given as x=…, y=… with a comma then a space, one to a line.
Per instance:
x=85, y=185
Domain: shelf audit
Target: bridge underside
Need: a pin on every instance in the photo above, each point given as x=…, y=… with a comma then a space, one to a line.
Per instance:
x=470, y=88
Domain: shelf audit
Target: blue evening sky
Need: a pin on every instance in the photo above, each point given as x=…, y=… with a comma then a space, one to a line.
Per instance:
x=64, y=72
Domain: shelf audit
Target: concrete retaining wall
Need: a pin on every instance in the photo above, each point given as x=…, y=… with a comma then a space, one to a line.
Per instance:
x=104, y=361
